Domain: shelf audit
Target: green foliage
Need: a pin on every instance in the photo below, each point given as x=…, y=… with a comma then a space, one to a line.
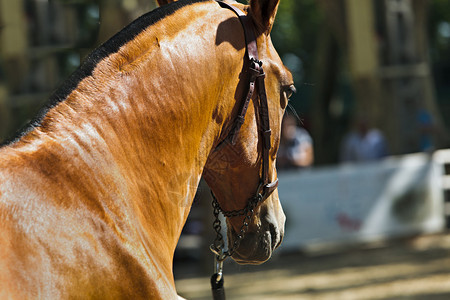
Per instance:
x=295, y=32
x=439, y=17
x=297, y=25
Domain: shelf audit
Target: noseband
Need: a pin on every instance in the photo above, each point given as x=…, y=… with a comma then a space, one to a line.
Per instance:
x=265, y=188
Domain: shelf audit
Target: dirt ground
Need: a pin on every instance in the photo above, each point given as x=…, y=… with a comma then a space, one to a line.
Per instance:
x=415, y=268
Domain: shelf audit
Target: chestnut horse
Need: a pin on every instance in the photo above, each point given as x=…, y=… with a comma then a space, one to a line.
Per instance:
x=95, y=192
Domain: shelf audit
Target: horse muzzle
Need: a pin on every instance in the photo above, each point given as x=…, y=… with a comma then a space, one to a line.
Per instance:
x=258, y=245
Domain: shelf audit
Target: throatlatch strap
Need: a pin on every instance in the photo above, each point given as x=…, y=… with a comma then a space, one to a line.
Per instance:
x=252, y=58
x=250, y=38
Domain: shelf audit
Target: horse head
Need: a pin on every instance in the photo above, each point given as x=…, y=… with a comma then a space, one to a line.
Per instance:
x=236, y=167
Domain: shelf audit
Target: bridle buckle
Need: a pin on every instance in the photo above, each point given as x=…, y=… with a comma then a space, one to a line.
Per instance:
x=255, y=62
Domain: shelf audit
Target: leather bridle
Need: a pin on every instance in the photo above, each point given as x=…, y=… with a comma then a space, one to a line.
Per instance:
x=256, y=82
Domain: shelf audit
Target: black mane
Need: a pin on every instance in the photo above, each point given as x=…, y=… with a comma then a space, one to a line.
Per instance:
x=90, y=62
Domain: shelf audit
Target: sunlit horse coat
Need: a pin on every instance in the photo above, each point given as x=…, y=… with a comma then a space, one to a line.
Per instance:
x=95, y=192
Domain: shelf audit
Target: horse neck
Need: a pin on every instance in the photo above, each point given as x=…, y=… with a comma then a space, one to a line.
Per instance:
x=142, y=135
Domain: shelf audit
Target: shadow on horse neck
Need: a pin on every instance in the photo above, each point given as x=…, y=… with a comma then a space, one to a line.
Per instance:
x=100, y=184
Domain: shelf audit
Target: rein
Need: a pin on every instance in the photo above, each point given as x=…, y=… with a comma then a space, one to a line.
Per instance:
x=265, y=188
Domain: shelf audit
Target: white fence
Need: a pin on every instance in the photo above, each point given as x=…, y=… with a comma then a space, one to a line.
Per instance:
x=358, y=203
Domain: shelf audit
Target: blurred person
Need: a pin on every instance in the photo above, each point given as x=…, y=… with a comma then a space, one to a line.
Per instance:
x=363, y=143
x=296, y=146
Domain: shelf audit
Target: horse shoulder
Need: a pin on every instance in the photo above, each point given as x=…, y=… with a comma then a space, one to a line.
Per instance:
x=87, y=257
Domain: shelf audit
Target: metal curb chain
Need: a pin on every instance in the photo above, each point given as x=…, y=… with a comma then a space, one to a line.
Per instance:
x=218, y=245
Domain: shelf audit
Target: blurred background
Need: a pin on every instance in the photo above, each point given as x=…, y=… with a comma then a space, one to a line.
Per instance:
x=363, y=162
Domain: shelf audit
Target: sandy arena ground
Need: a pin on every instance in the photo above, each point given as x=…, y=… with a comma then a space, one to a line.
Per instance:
x=417, y=268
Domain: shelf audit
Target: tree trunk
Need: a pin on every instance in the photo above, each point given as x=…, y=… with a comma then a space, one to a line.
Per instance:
x=326, y=142
x=389, y=69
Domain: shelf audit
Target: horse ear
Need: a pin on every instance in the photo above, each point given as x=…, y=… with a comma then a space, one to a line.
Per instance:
x=164, y=2
x=263, y=13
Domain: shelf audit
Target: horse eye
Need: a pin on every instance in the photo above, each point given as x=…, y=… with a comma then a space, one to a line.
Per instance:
x=290, y=90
